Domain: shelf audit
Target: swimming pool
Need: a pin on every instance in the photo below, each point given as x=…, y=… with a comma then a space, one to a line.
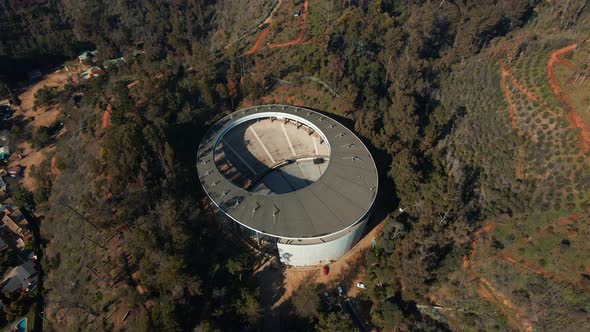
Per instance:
x=21, y=326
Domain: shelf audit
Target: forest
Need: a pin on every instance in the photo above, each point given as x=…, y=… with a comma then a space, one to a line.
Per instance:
x=470, y=110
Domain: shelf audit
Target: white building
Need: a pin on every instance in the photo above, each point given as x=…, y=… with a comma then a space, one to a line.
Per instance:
x=292, y=177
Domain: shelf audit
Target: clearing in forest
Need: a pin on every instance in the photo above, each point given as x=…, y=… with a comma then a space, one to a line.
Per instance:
x=42, y=115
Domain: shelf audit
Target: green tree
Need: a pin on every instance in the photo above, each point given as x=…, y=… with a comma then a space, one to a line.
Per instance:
x=335, y=321
x=306, y=300
x=24, y=199
x=248, y=306
x=388, y=316
x=41, y=137
x=45, y=95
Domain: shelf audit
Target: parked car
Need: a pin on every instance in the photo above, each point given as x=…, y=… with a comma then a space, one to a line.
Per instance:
x=340, y=291
x=361, y=285
x=326, y=270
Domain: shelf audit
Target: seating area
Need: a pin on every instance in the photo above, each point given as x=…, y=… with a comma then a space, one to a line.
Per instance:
x=272, y=155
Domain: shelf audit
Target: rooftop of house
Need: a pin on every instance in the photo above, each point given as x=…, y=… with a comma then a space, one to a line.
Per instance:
x=112, y=62
x=20, y=277
x=87, y=54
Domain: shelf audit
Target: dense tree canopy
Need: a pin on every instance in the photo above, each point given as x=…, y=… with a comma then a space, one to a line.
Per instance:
x=127, y=222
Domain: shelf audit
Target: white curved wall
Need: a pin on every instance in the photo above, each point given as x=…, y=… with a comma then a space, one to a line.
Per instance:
x=321, y=253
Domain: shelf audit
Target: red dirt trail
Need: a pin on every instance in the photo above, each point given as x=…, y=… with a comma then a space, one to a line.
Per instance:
x=538, y=270
x=264, y=32
x=53, y=167
x=516, y=320
x=511, y=108
x=258, y=41
x=298, y=40
x=300, y=36
x=575, y=120
x=487, y=291
x=106, y=115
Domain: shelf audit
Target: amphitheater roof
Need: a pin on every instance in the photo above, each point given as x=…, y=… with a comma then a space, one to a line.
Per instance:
x=336, y=201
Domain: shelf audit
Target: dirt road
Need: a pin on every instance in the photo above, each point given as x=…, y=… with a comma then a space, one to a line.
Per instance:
x=301, y=36
x=508, y=95
x=575, y=120
x=260, y=38
x=258, y=42
x=105, y=117
x=487, y=291
x=513, y=313
x=263, y=33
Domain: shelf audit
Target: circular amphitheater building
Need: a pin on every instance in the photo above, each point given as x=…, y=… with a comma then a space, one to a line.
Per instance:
x=292, y=179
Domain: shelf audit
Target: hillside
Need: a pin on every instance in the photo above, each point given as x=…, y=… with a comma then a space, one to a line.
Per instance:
x=477, y=116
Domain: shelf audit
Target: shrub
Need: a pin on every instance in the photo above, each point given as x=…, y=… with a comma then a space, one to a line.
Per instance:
x=41, y=137
x=45, y=95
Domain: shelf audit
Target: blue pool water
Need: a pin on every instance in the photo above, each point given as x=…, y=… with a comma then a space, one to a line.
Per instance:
x=21, y=326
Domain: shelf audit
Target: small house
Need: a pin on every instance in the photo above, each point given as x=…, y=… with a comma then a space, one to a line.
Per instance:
x=4, y=152
x=93, y=71
x=14, y=221
x=20, y=278
x=113, y=62
x=87, y=56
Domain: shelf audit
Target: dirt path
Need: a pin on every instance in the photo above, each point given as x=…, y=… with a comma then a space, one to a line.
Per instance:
x=53, y=166
x=466, y=266
x=268, y=20
x=300, y=37
x=264, y=32
x=260, y=38
x=105, y=117
x=575, y=120
x=511, y=108
x=539, y=271
x=487, y=291
x=512, y=112
x=258, y=41
x=516, y=320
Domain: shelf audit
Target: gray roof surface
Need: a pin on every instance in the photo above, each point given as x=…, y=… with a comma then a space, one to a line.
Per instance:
x=341, y=197
x=18, y=277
